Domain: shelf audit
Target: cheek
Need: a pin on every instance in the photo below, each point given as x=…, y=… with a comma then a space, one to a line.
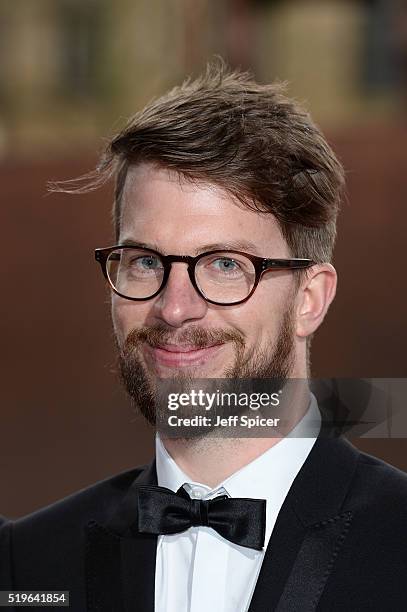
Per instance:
x=126, y=315
x=260, y=318
x=252, y=322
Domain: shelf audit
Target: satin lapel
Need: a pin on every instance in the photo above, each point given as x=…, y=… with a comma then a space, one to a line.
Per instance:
x=120, y=562
x=280, y=557
x=313, y=564
x=309, y=532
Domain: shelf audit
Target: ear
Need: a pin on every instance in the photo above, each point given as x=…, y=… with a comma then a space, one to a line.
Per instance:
x=314, y=298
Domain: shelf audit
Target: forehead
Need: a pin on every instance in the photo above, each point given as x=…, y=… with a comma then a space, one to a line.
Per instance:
x=164, y=210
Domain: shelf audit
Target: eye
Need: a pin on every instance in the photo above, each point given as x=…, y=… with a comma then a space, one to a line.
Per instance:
x=144, y=264
x=147, y=262
x=225, y=265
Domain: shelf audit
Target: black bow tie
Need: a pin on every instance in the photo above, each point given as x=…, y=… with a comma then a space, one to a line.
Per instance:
x=240, y=520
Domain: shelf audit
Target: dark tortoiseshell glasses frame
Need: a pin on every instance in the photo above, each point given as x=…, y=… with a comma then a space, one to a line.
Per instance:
x=260, y=265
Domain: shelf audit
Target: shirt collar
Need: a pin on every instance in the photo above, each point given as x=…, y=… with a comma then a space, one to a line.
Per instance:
x=269, y=476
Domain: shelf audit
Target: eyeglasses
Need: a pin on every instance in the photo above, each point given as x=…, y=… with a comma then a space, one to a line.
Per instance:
x=224, y=278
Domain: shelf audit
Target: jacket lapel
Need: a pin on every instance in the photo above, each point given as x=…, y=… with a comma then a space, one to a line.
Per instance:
x=309, y=532
x=120, y=562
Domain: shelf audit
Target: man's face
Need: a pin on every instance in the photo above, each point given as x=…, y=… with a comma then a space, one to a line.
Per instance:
x=178, y=333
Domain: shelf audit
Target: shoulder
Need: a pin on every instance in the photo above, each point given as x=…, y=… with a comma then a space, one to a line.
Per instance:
x=335, y=462
x=48, y=547
x=379, y=487
x=371, y=538
x=377, y=502
x=63, y=522
x=93, y=502
x=337, y=477
x=375, y=475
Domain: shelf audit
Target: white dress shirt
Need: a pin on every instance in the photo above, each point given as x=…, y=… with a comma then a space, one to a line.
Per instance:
x=198, y=570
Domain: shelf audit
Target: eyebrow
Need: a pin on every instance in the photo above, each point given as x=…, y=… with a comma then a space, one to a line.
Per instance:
x=136, y=243
x=232, y=245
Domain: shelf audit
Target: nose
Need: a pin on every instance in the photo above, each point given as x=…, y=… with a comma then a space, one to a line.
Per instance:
x=179, y=302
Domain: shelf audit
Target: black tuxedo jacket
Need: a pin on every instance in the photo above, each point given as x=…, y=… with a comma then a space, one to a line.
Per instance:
x=339, y=544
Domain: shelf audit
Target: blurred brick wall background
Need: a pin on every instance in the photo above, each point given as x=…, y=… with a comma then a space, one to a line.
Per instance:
x=69, y=71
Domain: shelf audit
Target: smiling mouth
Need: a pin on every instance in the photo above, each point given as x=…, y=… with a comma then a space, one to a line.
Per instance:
x=173, y=355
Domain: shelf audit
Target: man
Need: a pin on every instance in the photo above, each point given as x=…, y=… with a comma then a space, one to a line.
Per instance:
x=225, y=209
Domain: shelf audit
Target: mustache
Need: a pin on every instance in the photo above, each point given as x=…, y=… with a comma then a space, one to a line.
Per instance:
x=199, y=337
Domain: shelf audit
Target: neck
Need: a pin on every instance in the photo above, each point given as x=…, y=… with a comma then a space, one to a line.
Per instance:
x=210, y=460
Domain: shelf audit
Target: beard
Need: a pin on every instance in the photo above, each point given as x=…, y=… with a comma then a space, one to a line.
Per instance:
x=274, y=361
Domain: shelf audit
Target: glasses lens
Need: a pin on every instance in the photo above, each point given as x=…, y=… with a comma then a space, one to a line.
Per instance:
x=135, y=273
x=225, y=277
